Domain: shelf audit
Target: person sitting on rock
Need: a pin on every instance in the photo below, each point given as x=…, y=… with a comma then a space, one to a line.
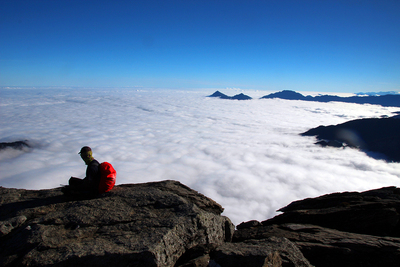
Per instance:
x=90, y=184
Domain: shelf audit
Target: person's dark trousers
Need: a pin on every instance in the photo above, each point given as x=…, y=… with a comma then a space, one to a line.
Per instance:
x=77, y=186
x=78, y=183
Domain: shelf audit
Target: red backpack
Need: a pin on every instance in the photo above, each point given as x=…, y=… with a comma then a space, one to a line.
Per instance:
x=108, y=177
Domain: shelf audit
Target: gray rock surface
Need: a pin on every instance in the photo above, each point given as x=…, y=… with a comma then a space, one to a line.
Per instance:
x=340, y=229
x=373, y=212
x=267, y=251
x=150, y=224
x=168, y=224
x=329, y=247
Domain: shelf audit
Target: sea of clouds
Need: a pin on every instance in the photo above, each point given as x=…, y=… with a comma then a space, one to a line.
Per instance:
x=246, y=155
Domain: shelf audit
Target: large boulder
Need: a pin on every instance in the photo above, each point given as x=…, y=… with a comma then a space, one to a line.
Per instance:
x=329, y=247
x=150, y=224
x=168, y=224
x=373, y=212
x=339, y=229
x=271, y=251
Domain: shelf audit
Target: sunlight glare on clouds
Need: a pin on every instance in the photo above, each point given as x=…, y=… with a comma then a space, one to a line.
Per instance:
x=246, y=155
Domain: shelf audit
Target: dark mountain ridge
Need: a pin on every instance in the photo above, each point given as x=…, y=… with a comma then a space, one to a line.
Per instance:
x=380, y=135
x=386, y=100
x=389, y=100
x=240, y=96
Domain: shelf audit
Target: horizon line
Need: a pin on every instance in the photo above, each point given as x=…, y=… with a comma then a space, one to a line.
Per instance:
x=186, y=89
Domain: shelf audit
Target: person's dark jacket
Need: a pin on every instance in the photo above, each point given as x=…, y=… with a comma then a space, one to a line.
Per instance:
x=88, y=185
x=92, y=178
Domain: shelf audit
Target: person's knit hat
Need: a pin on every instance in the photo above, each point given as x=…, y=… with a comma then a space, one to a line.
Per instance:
x=85, y=150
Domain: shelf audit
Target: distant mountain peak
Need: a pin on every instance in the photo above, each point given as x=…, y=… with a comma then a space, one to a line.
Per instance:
x=286, y=94
x=220, y=95
x=240, y=96
x=387, y=100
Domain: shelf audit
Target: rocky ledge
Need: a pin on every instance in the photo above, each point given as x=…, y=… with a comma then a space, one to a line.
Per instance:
x=168, y=224
x=340, y=229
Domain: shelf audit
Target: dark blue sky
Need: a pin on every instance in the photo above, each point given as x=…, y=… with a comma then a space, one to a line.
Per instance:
x=310, y=45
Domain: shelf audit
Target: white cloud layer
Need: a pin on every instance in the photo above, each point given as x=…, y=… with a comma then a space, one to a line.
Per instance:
x=246, y=155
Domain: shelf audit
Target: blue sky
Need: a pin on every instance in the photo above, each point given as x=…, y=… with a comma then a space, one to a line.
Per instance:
x=333, y=46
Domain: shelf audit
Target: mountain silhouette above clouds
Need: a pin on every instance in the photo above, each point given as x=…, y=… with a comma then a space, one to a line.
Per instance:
x=387, y=100
x=240, y=96
x=390, y=99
